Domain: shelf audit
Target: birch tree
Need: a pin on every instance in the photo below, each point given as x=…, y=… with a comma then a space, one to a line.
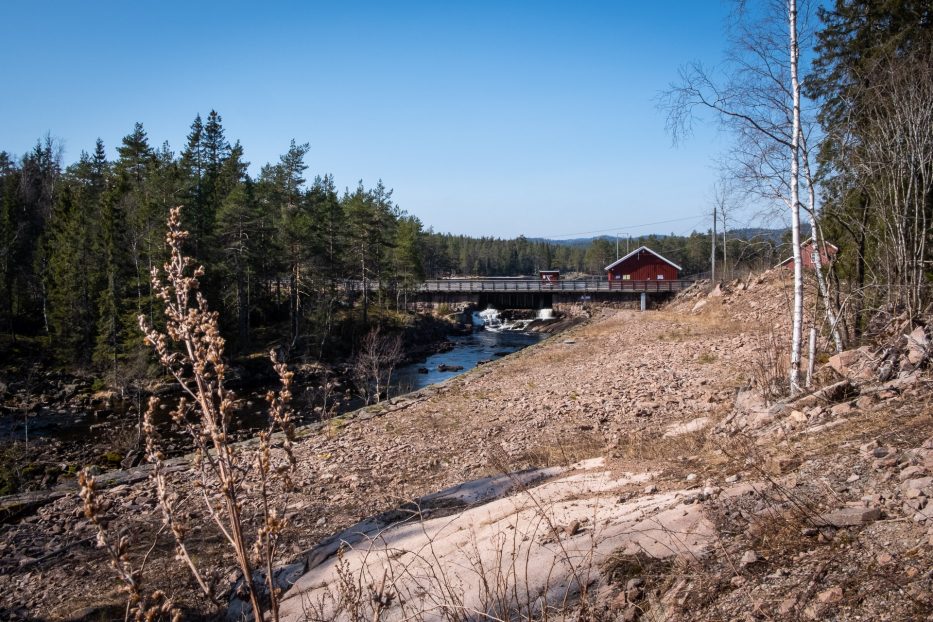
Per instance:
x=758, y=98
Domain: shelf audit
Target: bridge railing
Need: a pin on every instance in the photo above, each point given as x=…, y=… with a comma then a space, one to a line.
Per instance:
x=536, y=285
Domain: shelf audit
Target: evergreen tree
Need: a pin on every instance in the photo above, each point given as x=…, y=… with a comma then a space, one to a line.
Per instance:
x=239, y=249
x=193, y=165
x=116, y=327
x=72, y=270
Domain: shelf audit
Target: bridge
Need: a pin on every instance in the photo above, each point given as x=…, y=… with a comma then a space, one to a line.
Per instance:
x=519, y=293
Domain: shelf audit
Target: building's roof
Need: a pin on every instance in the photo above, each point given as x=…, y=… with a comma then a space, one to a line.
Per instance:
x=635, y=252
x=804, y=243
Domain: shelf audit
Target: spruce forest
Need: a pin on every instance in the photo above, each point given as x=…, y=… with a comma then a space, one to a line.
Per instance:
x=284, y=255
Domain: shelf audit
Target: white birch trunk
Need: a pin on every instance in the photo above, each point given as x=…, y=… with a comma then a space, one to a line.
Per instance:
x=712, y=277
x=811, y=361
x=832, y=315
x=797, y=327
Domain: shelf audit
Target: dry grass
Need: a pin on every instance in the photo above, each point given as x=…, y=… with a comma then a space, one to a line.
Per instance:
x=564, y=450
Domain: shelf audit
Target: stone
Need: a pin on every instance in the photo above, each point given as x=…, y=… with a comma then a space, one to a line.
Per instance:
x=631, y=613
x=918, y=346
x=917, y=483
x=848, y=517
x=779, y=465
x=759, y=420
x=885, y=559
x=912, y=506
x=832, y=595
x=911, y=472
x=787, y=605
x=634, y=582
x=737, y=581
x=850, y=362
x=733, y=478
x=748, y=558
x=869, y=447
x=841, y=409
x=691, y=477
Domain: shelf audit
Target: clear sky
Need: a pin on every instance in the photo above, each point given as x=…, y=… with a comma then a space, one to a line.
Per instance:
x=487, y=118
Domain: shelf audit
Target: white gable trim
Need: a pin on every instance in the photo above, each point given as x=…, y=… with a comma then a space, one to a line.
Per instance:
x=635, y=252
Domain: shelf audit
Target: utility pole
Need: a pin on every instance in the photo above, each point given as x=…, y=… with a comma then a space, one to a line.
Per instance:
x=725, y=247
x=712, y=257
x=628, y=240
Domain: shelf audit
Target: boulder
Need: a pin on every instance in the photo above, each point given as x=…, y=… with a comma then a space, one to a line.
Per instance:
x=853, y=363
x=918, y=346
x=848, y=517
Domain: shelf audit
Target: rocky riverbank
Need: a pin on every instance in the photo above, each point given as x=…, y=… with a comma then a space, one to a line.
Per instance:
x=53, y=423
x=817, y=506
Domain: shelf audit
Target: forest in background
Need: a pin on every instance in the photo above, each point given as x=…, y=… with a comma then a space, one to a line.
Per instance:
x=284, y=257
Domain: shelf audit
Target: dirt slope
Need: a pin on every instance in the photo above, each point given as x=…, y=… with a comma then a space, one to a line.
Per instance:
x=666, y=392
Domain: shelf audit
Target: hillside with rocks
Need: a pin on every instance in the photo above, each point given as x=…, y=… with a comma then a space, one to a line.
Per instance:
x=627, y=469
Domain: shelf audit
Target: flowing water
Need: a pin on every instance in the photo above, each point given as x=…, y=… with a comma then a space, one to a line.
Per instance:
x=492, y=338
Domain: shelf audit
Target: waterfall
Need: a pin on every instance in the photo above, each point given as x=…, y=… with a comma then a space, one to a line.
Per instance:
x=490, y=320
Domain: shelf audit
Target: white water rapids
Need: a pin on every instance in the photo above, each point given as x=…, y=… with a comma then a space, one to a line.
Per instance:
x=491, y=321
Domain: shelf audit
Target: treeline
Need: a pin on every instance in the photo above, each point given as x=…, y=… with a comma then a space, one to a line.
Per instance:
x=457, y=255
x=284, y=257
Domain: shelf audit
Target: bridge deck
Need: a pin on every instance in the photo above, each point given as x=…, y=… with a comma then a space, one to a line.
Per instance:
x=537, y=285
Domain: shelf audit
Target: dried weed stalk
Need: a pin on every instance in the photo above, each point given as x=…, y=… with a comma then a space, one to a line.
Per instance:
x=140, y=607
x=374, y=363
x=191, y=349
x=769, y=368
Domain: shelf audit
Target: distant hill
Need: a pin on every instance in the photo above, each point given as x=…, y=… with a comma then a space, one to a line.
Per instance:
x=747, y=233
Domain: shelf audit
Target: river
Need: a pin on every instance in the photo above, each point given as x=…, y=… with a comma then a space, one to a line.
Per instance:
x=468, y=351
x=76, y=427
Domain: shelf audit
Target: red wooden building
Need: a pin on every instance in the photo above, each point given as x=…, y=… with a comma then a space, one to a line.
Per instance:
x=643, y=264
x=827, y=253
x=549, y=276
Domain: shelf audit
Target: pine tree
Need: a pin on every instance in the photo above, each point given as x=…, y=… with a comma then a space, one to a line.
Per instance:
x=283, y=184
x=215, y=151
x=73, y=277
x=192, y=165
x=10, y=205
x=115, y=327
x=239, y=249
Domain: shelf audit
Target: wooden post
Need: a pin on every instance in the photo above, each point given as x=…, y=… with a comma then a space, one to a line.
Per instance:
x=644, y=300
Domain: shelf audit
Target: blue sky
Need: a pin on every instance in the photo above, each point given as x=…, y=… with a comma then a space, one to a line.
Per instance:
x=487, y=118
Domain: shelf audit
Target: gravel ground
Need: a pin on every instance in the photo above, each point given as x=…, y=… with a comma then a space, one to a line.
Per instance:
x=647, y=391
